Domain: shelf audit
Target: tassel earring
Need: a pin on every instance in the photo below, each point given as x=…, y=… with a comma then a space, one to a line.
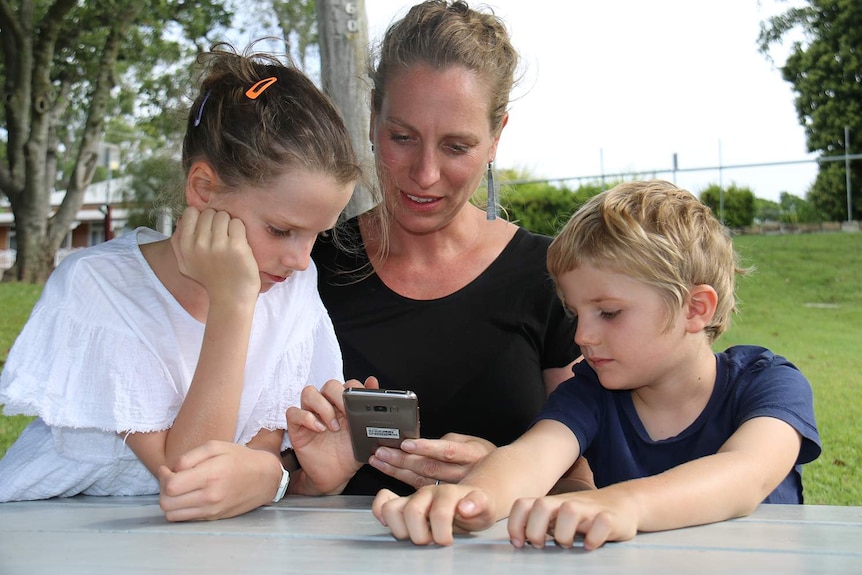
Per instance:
x=491, y=209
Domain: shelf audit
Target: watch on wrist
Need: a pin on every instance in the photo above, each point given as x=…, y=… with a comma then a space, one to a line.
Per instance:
x=282, y=486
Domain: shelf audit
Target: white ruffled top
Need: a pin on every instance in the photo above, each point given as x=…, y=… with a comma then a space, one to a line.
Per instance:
x=108, y=349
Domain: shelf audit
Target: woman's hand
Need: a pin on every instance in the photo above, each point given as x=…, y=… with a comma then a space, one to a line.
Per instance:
x=211, y=248
x=321, y=439
x=428, y=461
x=216, y=480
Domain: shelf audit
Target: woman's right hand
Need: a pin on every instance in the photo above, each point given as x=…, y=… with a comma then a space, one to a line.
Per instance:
x=320, y=438
x=422, y=462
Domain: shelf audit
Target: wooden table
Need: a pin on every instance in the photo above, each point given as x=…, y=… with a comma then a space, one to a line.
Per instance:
x=332, y=535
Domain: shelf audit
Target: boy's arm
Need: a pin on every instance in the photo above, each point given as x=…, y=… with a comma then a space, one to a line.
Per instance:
x=731, y=483
x=528, y=467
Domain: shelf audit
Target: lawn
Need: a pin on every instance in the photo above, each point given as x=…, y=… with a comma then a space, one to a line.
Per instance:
x=804, y=301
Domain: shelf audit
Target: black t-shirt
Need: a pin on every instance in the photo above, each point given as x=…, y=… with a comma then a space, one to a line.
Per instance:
x=474, y=358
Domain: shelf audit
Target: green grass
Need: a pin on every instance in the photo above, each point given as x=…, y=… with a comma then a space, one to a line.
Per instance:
x=804, y=302
x=16, y=301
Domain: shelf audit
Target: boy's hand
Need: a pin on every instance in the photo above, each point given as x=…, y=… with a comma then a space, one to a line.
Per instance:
x=434, y=513
x=213, y=250
x=599, y=515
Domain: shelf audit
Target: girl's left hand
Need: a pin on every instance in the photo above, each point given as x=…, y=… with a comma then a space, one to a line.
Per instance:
x=212, y=249
x=219, y=479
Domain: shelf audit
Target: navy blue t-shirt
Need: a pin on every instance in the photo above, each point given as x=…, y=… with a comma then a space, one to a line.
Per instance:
x=750, y=382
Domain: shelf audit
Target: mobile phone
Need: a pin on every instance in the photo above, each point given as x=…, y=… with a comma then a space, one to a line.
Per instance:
x=380, y=417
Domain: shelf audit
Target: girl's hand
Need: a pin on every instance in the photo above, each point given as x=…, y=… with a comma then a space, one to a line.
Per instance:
x=321, y=440
x=216, y=480
x=211, y=248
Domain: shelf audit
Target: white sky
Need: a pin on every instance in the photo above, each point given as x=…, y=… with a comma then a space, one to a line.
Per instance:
x=615, y=86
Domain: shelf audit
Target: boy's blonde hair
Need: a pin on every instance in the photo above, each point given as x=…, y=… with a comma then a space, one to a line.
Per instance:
x=657, y=234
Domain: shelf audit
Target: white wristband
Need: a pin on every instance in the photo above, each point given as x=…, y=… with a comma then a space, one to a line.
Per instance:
x=282, y=486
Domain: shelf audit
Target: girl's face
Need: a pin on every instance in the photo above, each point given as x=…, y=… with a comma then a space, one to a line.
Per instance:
x=622, y=328
x=433, y=141
x=283, y=218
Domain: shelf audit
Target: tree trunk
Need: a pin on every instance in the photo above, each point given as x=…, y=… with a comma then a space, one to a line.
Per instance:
x=343, y=37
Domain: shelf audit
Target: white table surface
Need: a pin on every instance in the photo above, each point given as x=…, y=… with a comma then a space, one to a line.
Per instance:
x=338, y=535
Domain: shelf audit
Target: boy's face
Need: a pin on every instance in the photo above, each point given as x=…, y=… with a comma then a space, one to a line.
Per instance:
x=622, y=328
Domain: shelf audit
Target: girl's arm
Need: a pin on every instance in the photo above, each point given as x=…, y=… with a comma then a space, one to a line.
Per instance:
x=211, y=249
x=222, y=479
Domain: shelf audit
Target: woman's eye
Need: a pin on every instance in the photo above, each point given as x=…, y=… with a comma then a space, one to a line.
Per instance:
x=399, y=138
x=609, y=314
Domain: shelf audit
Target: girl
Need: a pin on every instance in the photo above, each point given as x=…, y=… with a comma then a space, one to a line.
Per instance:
x=158, y=364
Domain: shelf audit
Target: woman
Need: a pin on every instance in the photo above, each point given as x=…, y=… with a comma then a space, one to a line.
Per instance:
x=427, y=292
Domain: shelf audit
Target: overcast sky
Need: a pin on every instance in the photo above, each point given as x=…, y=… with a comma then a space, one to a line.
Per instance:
x=615, y=86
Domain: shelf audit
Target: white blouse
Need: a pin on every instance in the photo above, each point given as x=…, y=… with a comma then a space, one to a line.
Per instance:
x=108, y=349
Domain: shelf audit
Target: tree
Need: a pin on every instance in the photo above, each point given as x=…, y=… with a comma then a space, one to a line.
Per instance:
x=825, y=69
x=63, y=62
x=739, y=207
x=297, y=20
x=343, y=36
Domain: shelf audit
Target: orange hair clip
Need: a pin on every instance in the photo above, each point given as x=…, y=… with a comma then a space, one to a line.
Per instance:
x=260, y=87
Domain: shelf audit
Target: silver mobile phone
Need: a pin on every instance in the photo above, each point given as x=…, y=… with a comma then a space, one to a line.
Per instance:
x=380, y=417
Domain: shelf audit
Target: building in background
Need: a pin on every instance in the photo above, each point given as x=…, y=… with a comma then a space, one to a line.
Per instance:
x=102, y=210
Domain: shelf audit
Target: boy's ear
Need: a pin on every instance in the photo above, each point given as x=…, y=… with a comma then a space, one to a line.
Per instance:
x=702, y=301
x=200, y=184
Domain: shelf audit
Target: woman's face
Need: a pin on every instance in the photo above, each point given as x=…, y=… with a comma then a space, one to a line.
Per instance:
x=433, y=142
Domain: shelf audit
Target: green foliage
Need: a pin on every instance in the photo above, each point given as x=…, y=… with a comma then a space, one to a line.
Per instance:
x=734, y=206
x=824, y=72
x=828, y=195
x=803, y=302
x=77, y=70
x=796, y=210
x=297, y=20
x=155, y=181
x=540, y=208
x=538, y=205
x=766, y=210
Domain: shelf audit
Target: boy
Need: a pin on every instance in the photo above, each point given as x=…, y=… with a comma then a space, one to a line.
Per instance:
x=676, y=435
